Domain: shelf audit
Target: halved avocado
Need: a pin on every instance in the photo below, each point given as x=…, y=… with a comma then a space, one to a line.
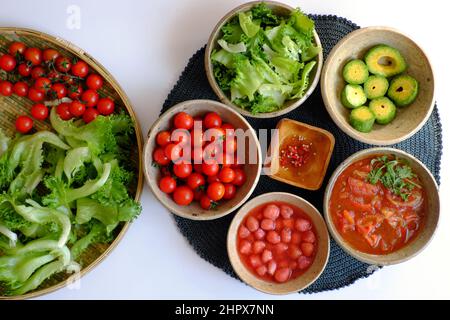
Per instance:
x=353, y=96
x=362, y=119
x=385, y=61
x=403, y=90
x=383, y=109
x=355, y=72
x=376, y=87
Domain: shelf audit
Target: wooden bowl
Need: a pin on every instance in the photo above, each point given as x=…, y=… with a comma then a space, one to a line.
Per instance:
x=323, y=145
x=13, y=106
x=252, y=149
x=409, y=119
x=303, y=281
x=280, y=9
x=431, y=221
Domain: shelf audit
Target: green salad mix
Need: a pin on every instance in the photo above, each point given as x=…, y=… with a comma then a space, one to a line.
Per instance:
x=59, y=193
x=265, y=59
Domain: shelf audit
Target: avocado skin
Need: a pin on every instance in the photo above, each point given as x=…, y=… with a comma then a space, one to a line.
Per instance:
x=362, y=125
x=396, y=83
x=383, y=115
x=376, y=53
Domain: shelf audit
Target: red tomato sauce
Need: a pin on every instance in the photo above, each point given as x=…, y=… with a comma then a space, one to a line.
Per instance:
x=370, y=217
x=277, y=242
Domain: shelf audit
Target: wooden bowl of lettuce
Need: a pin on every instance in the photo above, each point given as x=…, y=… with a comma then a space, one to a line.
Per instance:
x=264, y=59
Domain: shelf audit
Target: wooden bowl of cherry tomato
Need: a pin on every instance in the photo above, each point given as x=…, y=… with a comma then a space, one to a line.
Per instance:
x=202, y=160
x=278, y=243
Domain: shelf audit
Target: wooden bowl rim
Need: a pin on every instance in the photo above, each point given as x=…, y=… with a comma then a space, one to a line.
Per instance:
x=223, y=97
x=361, y=256
x=98, y=67
x=147, y=152
x=241, y=213
x=345, y=126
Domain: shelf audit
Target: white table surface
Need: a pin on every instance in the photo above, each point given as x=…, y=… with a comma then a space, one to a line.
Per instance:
x=146, y=45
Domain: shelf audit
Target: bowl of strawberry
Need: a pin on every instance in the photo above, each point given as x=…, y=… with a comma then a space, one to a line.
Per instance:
x=47, y=78
x=202, y=160
x=278, y=243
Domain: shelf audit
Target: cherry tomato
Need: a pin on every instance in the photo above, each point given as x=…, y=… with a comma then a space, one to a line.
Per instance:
x=42, y=84
x=33, y=55
x=182, y=169
x=183, y=120
x=160, y=158
x=198, y=167
x=90, y=97
x=39, y=111
x=210, y=168
x=24, y=124
x=69, y=80
x=75, y=91
x=6, y=88
x=215, y=191
x=80, y=69
x=105, y=106
x=212, y=179
x=173, y=151
x=17, y=48
x=206, y=203
x=54, y=76
x=197, y=139
x=183, y=196
x=230, y=191
x=21, y=89
x=163, y=138
x=240, y=177
x=195, y=180
x=76, y=108
x=227, y=175
x=63, y=110
x=58, y=90
x=167, y=184
x=7, y=62
x=37, y=72
x=198, y=194
x=212, y=120
x=50, y=55
x=229, y=129
x=35, y=95
x=94, y=81
x=63, y=64
x=24, y=70
x=90, y=114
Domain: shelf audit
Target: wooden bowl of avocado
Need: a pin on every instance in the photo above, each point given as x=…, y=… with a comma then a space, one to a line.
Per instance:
x=378, y=86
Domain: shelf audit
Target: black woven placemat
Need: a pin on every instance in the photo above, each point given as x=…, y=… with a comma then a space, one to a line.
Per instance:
x=208, y=238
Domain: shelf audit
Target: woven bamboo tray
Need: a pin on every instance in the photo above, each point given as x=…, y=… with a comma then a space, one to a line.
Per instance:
x=11, y=107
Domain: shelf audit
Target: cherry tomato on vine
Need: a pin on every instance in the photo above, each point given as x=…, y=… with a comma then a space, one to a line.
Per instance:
x=183, y=196
x=17, y=48
x=58, y=90
x=24, y=69
x=75, y=91
x=94, y=81
x=7, y=62
x=37, y=72
x=182, y=120
x=42, y=84
x=160, y=158
x=215, y=191
x=77, y=108
x=6, y=88
x=50, y=55
x=63, y=64
x=24, y=124
x=21, y=89
x=33, y=55
x=63, y=111
x=105, y=106
x=167, y=184
x=90, y=97
x=39, y=111
x=90, y=114
x=80, y=69
x=35, y=95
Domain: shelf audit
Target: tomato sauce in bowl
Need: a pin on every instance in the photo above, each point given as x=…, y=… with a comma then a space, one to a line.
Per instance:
x=277, y=242
x=378, y=205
